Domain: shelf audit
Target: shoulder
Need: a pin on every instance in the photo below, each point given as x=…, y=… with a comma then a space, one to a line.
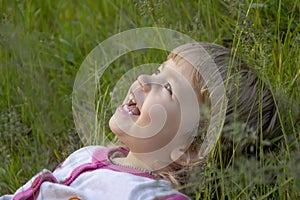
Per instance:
x=78, y=158
x=84, y=154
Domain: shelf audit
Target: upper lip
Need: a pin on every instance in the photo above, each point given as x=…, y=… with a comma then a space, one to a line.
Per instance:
x=132, y=98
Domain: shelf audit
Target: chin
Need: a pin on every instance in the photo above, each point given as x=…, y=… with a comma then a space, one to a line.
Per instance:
x=113, y=127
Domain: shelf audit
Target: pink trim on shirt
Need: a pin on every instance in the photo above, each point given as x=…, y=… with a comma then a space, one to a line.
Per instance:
x=100, y=160
x=59, y=165
x=34, y=189
x=174, y=197
x=81, y=169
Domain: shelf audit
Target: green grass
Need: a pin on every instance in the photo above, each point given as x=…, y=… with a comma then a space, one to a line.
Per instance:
x=43, y=43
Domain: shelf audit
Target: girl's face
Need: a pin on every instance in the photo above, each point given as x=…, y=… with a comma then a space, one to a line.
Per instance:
x=157, y=108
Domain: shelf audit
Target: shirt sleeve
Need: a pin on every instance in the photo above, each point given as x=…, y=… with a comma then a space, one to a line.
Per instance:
x=31, y=188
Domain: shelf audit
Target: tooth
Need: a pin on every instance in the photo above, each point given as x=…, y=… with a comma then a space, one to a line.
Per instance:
x=130, y=96
x=126, y=108
x=130, y=113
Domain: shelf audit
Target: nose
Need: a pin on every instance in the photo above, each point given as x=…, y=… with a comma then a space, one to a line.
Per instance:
x=145, y=82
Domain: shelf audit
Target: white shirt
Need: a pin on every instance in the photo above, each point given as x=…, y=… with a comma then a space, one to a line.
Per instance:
x=88, y=174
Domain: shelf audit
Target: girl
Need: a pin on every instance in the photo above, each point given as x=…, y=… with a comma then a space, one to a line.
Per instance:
x=163, y=123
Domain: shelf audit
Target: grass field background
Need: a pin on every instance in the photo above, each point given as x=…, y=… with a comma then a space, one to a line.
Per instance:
x=43, y=43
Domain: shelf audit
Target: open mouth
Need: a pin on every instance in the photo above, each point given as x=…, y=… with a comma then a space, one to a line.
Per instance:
x=131, y=106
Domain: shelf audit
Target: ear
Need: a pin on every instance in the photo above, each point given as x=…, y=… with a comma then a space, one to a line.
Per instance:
x=179, y=156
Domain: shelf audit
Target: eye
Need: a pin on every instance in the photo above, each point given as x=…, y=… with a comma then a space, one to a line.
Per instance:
x=169, y=88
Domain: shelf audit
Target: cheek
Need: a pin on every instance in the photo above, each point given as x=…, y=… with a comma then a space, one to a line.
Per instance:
x=161, y=104
x=159, y=114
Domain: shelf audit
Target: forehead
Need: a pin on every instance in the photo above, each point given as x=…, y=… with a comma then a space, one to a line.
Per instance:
x=182, y=67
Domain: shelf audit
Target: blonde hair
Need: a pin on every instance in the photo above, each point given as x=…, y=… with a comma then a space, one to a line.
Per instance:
x=250, y=103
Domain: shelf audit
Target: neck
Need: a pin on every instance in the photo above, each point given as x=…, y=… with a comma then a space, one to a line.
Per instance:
x=151, y=161
x=132, y=161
